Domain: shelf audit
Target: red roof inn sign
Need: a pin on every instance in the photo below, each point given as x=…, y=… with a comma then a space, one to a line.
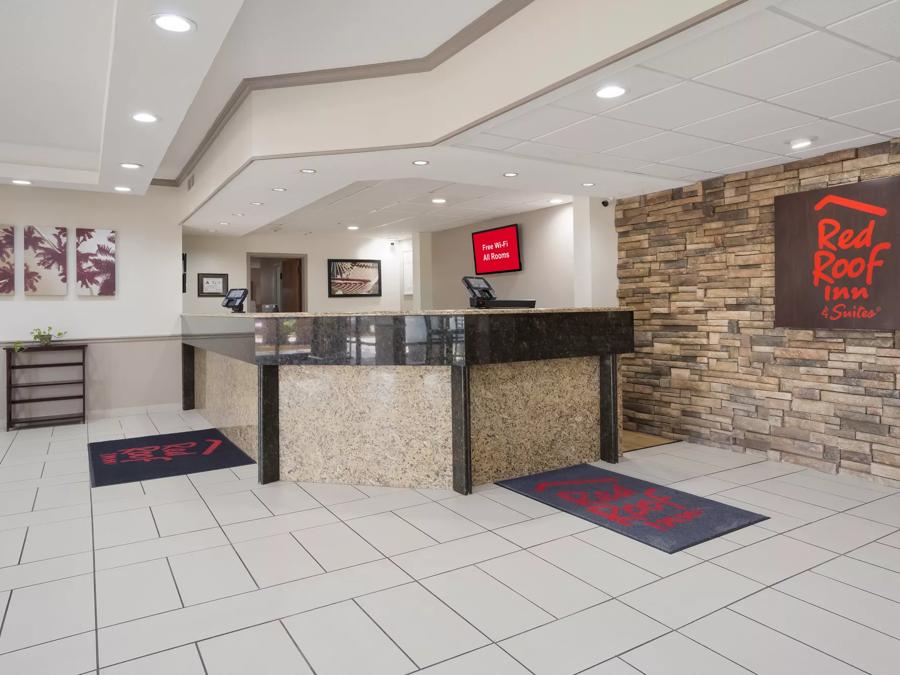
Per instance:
x=837, y=257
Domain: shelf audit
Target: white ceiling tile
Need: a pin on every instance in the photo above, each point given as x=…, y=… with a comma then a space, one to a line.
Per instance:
x=741, y=39
x=878, y=28
x=539, y=122
x=859, y=142
x=664, y=146
x=800, y=63
x=674, y=172
x=685, y=103
x=598, y=134
x=825, y=12
x=636, y=81
x=822, y=132
x=608, y=161
x=490, y=142
x=878, y=118
x=530, y=149
x=851, y=92
x=754, y=120
x=722, y=157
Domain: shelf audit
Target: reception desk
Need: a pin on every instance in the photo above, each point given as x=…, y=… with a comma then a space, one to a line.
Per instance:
x=445, y=399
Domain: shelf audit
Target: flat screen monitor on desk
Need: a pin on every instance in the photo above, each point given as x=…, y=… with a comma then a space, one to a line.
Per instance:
x=234, y=300
x=481, y=295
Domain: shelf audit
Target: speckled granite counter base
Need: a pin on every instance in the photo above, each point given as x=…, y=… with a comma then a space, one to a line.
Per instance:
x=226, y=395
x=374, y=425
x=533, y=416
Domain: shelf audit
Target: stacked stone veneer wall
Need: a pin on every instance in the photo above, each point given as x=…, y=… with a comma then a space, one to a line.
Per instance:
x=696, y=264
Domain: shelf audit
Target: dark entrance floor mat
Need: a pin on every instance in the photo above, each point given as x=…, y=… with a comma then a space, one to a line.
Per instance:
x=656, y=515
x=132, y=459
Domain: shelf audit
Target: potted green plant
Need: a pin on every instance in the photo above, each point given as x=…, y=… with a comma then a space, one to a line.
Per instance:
x=41, y=336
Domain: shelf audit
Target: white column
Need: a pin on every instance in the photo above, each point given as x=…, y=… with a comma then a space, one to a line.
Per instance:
x=594, y=252
x=423, y=297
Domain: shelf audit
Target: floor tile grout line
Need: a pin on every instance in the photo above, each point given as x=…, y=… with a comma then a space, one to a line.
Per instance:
x=797, y=640
x=294, y=641
x=94, y=580
x=385, y=633
x=199, y=655
x=835, y=613
x=237, y=630
x=230, y=543
x=815, y=570
x=174, y=581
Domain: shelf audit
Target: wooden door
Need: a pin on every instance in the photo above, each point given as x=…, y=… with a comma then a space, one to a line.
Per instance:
x=291, y=290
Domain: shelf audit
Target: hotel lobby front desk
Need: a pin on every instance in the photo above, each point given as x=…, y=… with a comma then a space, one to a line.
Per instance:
x=443, y=399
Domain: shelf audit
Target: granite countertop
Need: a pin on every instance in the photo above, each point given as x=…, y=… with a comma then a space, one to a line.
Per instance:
x=427, y=312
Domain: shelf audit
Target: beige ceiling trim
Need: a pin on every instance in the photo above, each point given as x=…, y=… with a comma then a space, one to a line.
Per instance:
x=469, y=34
x=674, y=30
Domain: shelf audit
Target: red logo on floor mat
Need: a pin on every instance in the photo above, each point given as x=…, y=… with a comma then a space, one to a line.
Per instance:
x=152, y=453
x=601, y=497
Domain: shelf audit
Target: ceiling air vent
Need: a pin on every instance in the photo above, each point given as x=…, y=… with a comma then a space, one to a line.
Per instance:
x=190, y=182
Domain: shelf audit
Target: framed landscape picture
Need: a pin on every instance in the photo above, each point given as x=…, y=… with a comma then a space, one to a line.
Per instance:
x=212, y=285
x=351, y=278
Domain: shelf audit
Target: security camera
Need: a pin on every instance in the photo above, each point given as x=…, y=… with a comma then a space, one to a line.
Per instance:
x=605, y=202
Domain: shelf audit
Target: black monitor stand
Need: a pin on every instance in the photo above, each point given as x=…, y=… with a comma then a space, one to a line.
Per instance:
x=234, y=300
x=482, y=296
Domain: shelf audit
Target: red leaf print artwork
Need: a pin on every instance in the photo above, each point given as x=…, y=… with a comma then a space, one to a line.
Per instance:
x=46, y=260
x=7, y=261
x=95, y=261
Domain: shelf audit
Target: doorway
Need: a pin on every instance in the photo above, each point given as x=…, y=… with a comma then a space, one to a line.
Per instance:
x=276, y=281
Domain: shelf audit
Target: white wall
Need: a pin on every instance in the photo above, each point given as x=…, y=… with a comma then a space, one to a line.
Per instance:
x=147, y=300
x=228, y=255
x=124, y=369
x=545, y=242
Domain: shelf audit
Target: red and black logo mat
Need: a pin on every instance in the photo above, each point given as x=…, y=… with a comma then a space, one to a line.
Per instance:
x=148, y=457
x=656, y=515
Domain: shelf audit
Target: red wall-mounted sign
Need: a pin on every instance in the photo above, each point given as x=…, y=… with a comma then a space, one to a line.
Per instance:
x=497, y=250
x=837, y=257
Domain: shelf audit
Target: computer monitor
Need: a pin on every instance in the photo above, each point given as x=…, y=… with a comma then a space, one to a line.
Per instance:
x=479, y=287
x=234, y=299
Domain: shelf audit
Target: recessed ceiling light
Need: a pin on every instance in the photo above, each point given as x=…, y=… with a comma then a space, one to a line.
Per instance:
x=307, y=170
x=173, y=23
x=353, y=227
x=237, y=214
x=130, y=165
x=122, y=188
x=556, y=201
x=800, y=143
x=510, y=174
x=145, y=117
x=211, y=230
x=421, y=162
x=256, y=203
x=19, y=181
x=224, y=222
x=438, y=200
x=279, y=189
x=610, y=91
x=588, y=184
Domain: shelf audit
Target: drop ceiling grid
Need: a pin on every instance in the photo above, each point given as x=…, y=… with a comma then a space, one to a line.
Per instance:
x=579, y=141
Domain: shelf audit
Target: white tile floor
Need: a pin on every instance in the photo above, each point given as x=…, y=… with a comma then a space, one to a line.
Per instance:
x=211, y=574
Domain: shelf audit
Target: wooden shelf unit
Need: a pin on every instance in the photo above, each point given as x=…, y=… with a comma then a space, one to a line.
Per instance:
x=14, y=389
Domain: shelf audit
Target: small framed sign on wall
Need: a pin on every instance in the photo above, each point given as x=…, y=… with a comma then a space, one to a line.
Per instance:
x=212, y=285
x=837, y=257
